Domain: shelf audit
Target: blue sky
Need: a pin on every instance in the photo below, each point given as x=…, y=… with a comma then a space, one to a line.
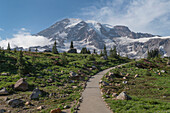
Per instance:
x=152, y=16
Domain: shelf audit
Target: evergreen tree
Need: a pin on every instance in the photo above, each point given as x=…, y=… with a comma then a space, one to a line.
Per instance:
x=36, y=50
x=153, y=53
x=115, y=55
x=54, y=49
x=15, y=50
x=105, y=51
x=101, y=53
x=64, y=59
x=111, y=52
x=71, y=45
x=84, y=50
x=29, y=49
x=9, y=48
x=21, y=63
x=88, y=51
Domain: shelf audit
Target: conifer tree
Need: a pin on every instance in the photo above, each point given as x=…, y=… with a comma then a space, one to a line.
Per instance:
x=54, y=49
x=15, y=50
x=21, y=63
x=36, y=50
x=115, y=52
x=9, y=48
x=101, y=53
x=64, y=59
x=105, y=51
x=111, y=52
x=71, y=45
x=29, y=49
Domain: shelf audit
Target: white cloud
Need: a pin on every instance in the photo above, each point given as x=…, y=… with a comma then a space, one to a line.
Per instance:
x=140, y=15
x=24, y=39
x=1, y=29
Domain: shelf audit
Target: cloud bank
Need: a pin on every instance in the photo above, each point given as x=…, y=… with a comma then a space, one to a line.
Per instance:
x=24, y=39
x=139, y=15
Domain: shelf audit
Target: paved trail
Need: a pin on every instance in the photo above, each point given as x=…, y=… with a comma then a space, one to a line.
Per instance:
x=92, y=98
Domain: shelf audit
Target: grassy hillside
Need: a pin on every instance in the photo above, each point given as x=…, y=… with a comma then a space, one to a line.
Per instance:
x=147, y=82
x=50, y=73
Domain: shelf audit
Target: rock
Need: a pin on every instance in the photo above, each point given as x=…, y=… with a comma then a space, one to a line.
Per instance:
x=6, y=99
x=123, y=96
x=94, y=67
x=40, y=108
x=3, y=91
x=104, y=57
x=72, y=50
x=36, y=93
x=127, y=74
x=58, y=110
x=124, y=82
x=124, y=78
x=2, y=110
x=111, y=74
x=21, y=84
x=73, y=74
x=105, y=83
x=27, y=103
x=163, y=71
x=15, y=103
x=114, y=95
x=66, y=107
x=116, y=84
x=136, y=76
x=50, y=80
x=5, y=74
x=74, y=87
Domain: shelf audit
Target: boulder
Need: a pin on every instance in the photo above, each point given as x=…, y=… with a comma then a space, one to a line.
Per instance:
x=104, y=57
x=21, y=84
x=114, y=95
x=15, y=103
x=40, y=108
x=3, y=91
x=35, y=94
x=123, y=96
x=58, y=110
x=2, y=110
x=72, y=50
x=136, y=75
x=73, y=74
x=5, y=74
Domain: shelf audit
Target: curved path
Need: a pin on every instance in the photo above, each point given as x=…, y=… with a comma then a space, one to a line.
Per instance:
x=92, y=98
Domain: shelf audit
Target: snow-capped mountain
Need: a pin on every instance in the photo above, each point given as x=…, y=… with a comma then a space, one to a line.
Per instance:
x=94, y=35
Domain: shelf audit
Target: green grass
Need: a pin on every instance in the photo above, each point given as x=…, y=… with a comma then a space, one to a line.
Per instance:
x=44, y=66
x=150, y=91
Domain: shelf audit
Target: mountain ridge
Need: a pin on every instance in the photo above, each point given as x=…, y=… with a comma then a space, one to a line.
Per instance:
x=95, y=35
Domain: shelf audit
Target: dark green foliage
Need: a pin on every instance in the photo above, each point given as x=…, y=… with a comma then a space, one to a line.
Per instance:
x=71, y=45
x=8, y=47
x=85, y=51
x=104, y=50
x=64, y=59
x=113, y=53
x=91, y=58
x=21, y=63
x=153, y=53
x=94, y=51
x=101, y=53
x=29, y=50
x=148, y=84
x=36, y=50
x=54, y=49
x=15, y=50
